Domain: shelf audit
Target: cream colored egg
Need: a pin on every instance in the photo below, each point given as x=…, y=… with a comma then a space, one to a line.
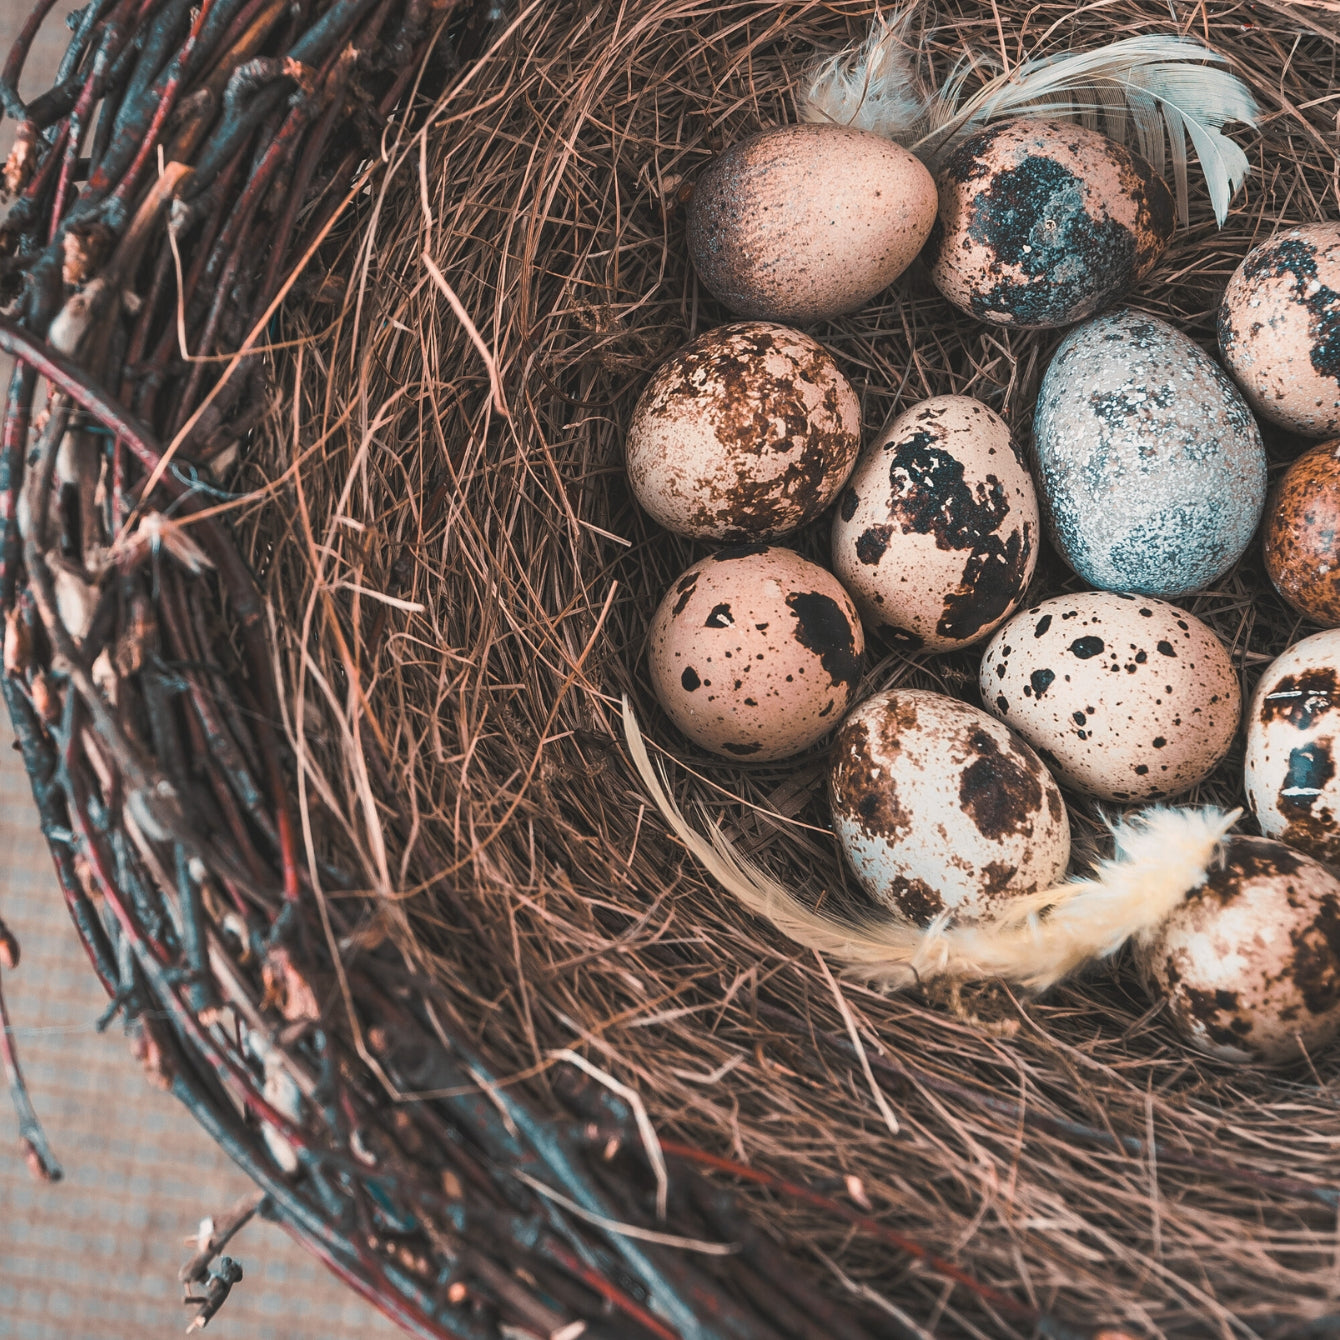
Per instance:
x=1279, y=328
x=941, y=809
x=805, y=222
x=747, y=433
x=1124, y=697
x=754, y=652
x=1293, y=746
x=936, y=535
x=1042, y=223
x=1249, y=964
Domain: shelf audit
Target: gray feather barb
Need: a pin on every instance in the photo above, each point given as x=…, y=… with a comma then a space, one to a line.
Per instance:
x=1159, y=91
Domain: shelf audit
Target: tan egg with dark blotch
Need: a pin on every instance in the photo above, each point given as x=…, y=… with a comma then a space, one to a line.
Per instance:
x=1124, y=697
x=1279, y=328
x=1249, y=964
x=1042, y=223
x=802, y=223
x=755, y=652
x=936, y=534
x=747, y=433
x=940, y=809
x=1302, y=535
x=1293, y=747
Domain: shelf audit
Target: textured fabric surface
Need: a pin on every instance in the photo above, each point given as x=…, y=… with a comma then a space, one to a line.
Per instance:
x=97, y=1255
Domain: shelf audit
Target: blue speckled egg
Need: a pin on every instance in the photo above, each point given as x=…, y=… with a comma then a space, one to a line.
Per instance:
x=1149, y=463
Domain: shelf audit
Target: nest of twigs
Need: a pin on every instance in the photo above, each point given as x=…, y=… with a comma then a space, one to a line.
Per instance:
x=322, y=587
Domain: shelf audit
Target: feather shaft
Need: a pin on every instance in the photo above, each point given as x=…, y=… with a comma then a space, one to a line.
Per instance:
x=1159, y=857
x=1153, y=86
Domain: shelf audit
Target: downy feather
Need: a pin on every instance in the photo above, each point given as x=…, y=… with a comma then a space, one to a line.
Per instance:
x=871, y=85
x=1159, y=856
x=1161, y=89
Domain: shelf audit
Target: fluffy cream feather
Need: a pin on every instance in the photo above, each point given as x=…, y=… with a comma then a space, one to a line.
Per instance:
x=1159, y=856
x=872, y=85
x=1149, y=87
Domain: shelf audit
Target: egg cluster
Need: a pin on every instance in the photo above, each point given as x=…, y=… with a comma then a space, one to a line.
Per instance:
x=1147, y=474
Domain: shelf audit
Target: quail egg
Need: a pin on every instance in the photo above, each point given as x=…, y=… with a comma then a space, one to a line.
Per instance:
x=1124, y=697
x=1279, y=328
x=802, y=223
x=1042, y=223
x=747, y=433
x=1249, y=964
x=936, y=534
x=755, y=651
x=1293, y=746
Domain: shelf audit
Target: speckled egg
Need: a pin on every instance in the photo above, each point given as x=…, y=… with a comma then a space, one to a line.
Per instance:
x=1150, y=465
x=1302, y=535
x=936, y=535
x=747, y=433
x=802, y=223
x=1279, y=328
x=1042, y=223
x=1124, y=697
x=941, y=809
x=1293, y=747
x=1249, y=964
x=755, y=651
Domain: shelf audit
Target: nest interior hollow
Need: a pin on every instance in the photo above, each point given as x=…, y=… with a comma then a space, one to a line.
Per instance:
x=461, y=586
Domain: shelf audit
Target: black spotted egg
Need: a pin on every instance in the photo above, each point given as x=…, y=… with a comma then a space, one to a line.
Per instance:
x=754, y=652
x=1125, y=698
x=1293, y=747
x=1150, y=466
x=1279, y=328
x=1042, y=223
x=941, y=810
x=1249, y=964
x=936, y=533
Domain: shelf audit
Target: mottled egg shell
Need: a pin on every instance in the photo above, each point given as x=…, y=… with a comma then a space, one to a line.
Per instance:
x=801, y=223
x=747, y=433
x=1249, y=964
x=1150, y=465
x=1279, y=328
x=936, y=535
x=1293, y=747
x=941, y=809
x=1042, y=223
x=1302, y=535
x=1124, y=697
x=755, y=651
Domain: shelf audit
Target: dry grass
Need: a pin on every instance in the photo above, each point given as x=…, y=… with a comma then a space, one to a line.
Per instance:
x=462, y=586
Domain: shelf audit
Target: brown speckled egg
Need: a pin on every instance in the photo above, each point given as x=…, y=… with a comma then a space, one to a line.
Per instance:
x=1279, y=328
x=747, y=433
x=754, y=652
x=1249, y=964
x=941, y=809
x=1042, y=223
x=802, y=223
x=1124, y=697
x=1302, y=535
x=936, y=535
x=1293, y=747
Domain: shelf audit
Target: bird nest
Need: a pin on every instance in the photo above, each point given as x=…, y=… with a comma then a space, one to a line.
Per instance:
x=323, y=588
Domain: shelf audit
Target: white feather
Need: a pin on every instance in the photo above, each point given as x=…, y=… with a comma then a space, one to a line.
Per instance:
x=1161, y=89
x=871, y=85
x=1159, y=856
